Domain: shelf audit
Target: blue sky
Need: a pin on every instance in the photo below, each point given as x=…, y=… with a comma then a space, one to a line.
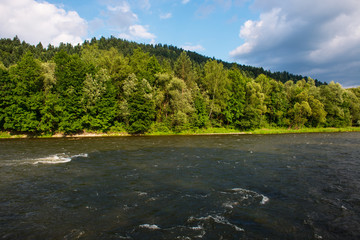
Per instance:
x=208, y=27
x=317, y=38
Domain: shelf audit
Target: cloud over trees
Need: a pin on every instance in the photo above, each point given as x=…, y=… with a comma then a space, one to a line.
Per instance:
x=317, y=38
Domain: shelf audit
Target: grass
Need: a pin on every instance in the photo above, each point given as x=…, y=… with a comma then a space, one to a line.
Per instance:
x=5, y=135
x=304, y=130
x=207, y=131
x=196, y=132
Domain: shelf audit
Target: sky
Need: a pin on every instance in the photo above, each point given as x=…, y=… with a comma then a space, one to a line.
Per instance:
x=316, y=38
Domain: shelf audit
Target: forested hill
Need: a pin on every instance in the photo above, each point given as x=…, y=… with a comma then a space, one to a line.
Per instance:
x=116, y=85
x=11, y=50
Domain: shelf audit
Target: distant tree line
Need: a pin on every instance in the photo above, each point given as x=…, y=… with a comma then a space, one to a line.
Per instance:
x=117, y=85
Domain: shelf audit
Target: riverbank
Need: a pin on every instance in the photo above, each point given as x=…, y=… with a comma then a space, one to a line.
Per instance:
x=209, y=131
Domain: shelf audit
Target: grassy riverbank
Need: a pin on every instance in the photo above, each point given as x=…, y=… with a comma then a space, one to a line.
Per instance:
x=208, y=131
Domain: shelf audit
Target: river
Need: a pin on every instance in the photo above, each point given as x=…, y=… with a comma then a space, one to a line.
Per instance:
x=290, y=186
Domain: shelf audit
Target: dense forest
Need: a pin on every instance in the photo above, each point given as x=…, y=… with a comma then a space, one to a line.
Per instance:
x=116, y=85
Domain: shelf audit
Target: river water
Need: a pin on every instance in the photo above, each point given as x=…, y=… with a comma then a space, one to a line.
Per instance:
x=291, y=186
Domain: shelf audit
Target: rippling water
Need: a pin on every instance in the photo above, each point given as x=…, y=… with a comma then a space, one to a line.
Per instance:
x=303, y=186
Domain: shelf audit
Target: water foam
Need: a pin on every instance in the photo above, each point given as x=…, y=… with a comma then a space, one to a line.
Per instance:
x=150, y=226
x=53, y=159
x=57, y=158
x=218, y=219
x=264, y=199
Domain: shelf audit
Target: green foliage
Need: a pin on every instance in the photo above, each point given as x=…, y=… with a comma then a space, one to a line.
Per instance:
x=183, y=69
x=70, y=73
x=338, y=113
x=236, y=104
x=200, y=117
x=216, y=82
x=115, y=85
x=24, y=96
x=137, y=106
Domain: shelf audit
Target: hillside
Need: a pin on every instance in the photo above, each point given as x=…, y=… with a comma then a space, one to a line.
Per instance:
x=115, y=85
x=11, y=51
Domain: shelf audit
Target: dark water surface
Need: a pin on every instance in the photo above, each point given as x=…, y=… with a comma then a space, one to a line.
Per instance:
x=303, y=186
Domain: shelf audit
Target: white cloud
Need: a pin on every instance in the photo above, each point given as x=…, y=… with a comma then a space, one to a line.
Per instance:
x=139, y=31
x=194, y=48
x=42, y=22
x=272, y=29
x=136, y=32
x=125, y=23
x=121, y=17
x=165, y=16
x=309, y=37
x=185, y=1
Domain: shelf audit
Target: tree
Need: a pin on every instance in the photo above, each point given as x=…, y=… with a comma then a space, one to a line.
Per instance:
x=181, y=104
x=200, y=117
x=333, y=99
x=183, y=69
x=236, y=104
x=6, y=96
x=99, y=101
x=255, y=108
x=275, y=100
x=141, y=107
x=70, y=73
x=301, y=111
x=137, y=107
x=23, y=112
x=144, y=66
x=352, y=105
x=215, y=81
x=318, y=113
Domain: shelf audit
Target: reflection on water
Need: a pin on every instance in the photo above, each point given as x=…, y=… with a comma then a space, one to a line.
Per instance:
x=303, y=186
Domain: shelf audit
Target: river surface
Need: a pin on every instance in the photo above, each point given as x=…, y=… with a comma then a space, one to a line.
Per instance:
x=291, y=186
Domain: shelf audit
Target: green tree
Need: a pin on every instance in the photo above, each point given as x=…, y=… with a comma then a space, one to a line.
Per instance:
x=275, y=100
x=318, y=113
x=70, y=73
x=301, y=112
x=181, y=104
x=137, y=108
x=200, y=116
x=183, y=69
x=6, y=95
x=144, y=66
x=99, y=101
x=352, y=105
x=141, y=108
x=333, y=99
x=27, y=96
x=255, y=108
x=216, y=81
x=236, y=104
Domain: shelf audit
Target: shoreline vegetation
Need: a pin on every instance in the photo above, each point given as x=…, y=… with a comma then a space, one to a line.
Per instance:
x=199, y=132
x=112, y=87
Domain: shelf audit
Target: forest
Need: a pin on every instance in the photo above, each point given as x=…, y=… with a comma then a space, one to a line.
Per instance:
x=114, y=85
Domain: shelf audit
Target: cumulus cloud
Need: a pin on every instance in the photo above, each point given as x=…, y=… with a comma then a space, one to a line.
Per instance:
x=194, y=48
x=43, y=22
x=126, y=23
x=140, y=31
x=120, y=17
x=309, y=37
x=135, y=32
